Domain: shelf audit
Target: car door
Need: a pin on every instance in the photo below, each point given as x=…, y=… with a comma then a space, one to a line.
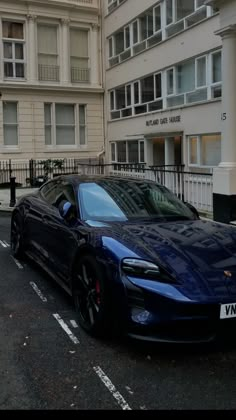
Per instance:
x=60, y=235
x=38, y=209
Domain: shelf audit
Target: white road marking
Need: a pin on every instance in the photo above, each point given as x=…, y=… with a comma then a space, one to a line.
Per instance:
x=38, y=291
x=74, y=323
x=107, y=382
x=6, y=243
x=66, y=329
x=2, y=243
x=19, y=265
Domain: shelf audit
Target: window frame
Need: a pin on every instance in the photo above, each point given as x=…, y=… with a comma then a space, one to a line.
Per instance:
x=115, y=143
x=77, y=125
x=11, y=146
x=13, y=42
x=199, y=163
x=56, y=26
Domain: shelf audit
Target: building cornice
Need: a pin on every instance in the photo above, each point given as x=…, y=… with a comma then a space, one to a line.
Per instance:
x=227, y=31
x=91, y=7
x=60, y=89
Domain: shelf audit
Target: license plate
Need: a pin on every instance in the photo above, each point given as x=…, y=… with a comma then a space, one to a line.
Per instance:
x=228, y=310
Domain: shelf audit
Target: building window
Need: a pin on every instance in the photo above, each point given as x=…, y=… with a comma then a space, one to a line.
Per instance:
x=201, y=72
x=121, y=151
x=112, y=100
x=65, y=124
x=131, y=151
x=216, y=74
x=110, y=41
x=187, y=82
x=10, y=124
x=184, y=8
x=181, y=14
x=216, y=67
x=48, y=124
x=82, y=125
x=137, y=98
x=113, y=152
x=48, y=69
x=127, y=37
x=141, y=152
x=113, y=4
x=147, y=89
x=135, y=27
x=79, y=57
x=204, y=150
x=13, y=50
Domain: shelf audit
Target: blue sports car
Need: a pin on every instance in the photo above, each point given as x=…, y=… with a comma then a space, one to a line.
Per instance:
x=135, y=258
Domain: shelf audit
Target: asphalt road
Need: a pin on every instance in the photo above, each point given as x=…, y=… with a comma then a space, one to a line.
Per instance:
x=48, y=362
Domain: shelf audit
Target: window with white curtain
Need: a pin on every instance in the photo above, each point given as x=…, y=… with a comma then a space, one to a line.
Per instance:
x=204, y=150
x=65, y=124
x=48, y=53
x=79, y=55
x=13, y=49
x=10, y=124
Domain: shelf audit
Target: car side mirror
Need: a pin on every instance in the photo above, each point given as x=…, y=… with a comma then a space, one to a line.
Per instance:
x=193, y=209
x=65, y=208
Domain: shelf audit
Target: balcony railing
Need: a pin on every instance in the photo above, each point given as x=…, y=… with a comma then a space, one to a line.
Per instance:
x=48, y=73
x=79, y=75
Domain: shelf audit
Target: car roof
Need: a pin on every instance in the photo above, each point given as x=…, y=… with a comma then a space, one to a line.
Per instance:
x=80, y=179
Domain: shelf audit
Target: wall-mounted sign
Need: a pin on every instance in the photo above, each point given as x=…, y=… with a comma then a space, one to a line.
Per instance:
x=162, y=121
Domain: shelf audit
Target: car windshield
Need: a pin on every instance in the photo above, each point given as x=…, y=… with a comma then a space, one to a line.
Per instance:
x=123, y=200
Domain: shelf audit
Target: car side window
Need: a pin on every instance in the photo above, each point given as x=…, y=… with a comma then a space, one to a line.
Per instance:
x=50, y=191
x=65, y=192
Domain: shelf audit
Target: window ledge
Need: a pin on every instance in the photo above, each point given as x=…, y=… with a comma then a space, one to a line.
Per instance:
x=65, y=149
x=6, y=150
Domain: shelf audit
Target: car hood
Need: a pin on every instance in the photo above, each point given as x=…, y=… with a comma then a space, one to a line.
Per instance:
x=197, y=253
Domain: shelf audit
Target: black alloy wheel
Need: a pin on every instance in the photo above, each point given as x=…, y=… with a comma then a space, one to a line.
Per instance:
x=16, y=236
x=91, y=297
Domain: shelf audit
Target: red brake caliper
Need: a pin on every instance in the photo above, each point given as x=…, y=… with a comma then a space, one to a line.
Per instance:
x=98, y=290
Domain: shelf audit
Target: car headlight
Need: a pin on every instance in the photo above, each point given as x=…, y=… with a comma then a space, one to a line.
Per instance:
x=135, y=267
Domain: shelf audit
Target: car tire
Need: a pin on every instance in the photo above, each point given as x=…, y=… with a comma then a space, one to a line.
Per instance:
x=17, y=236
x=91, y=297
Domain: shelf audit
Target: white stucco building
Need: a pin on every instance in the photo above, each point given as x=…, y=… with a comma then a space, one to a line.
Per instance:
x=50, y=79
x=163, y=83
x=224, y=180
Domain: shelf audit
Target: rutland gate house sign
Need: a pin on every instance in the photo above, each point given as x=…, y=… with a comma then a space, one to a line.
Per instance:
x=165, y=120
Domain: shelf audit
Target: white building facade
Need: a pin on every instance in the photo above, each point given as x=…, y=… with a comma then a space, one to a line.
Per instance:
x=163, y=83
x=50, y=79
x=224, y=180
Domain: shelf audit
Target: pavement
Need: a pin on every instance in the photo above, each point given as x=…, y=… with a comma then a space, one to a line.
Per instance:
x=5, y=197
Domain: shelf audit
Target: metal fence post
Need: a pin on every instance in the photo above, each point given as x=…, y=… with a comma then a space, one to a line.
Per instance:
x=12, y=191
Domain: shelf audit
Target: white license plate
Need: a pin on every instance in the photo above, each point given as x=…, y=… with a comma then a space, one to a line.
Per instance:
x=228, y=310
